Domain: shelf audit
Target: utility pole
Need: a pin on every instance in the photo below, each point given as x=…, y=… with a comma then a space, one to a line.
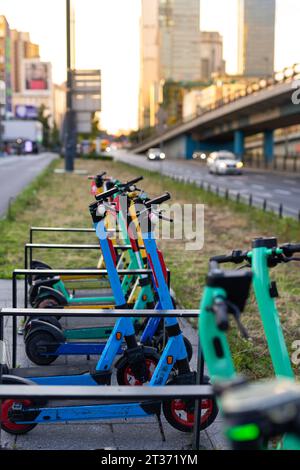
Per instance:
x=70, y=144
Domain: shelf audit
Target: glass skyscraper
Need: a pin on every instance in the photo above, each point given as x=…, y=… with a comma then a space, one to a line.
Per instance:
x=256, y=37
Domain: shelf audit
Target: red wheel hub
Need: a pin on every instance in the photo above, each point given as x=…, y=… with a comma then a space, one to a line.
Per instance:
x=185, y=417
x=130, y=379
x=5, y=419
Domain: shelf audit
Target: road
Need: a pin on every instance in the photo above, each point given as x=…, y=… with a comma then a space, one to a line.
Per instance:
x=16, y=172
x=273, y=187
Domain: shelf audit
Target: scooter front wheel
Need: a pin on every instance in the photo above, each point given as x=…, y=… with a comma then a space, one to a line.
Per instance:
x=162, y=340
x=126, y=376
x=180, y=413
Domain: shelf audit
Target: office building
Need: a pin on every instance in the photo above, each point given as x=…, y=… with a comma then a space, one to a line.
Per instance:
x=21, y=48
x=256, y=37
x=149, y=58
x=175, y=55
x=179, y=40
x=211, y=54
x=5, y=62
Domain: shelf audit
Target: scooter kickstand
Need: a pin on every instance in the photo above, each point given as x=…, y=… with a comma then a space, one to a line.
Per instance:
x=161, y=428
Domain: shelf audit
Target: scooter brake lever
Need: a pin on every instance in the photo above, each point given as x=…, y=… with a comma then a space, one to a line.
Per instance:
x=237, y=316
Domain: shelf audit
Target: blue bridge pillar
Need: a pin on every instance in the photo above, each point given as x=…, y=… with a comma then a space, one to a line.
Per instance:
x=239, y=144
x=269, y=146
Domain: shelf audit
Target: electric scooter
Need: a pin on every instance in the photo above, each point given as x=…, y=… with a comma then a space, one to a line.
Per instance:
x=21, y=417
x=44, y=342
x=215, y=321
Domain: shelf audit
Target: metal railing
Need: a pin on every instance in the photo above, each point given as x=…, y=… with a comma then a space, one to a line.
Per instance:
x=199, y=391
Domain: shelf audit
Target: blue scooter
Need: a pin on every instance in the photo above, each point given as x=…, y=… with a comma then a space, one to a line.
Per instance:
x=20, y=417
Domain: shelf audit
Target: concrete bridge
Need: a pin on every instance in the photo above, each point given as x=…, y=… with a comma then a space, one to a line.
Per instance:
x=266, y=107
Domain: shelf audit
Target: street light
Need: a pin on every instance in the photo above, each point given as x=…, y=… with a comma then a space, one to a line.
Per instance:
x=70, y=144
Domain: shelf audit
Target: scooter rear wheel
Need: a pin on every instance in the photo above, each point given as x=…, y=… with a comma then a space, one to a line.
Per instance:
x=9, y=426
x=6, y=423
x=180, y=413
x=36, y=340
x=48, y=303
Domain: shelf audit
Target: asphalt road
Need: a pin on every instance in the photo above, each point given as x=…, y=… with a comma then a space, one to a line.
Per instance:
x=16, y=172
x=273, y=187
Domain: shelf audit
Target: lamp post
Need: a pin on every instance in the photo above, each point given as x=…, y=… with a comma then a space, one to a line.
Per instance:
x=70, y=144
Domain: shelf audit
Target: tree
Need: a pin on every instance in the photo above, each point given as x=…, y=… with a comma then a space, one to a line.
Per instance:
x=44, y=117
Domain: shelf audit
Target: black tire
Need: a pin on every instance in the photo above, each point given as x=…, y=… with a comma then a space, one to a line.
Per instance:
x=177, y=422
x=161, y=340
x=38, y=265
x=51, y=320
x=7, y=425
x=48, y=302
x=36, y=340
x=125, y=375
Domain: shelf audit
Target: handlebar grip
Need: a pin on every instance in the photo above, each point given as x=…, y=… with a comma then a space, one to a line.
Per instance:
x=289, y=249
x=158, y=200
x=236, y=257
x=133, y=182
x=221, y=259
x=92, y=177
x=221, y=311
x=103, y=196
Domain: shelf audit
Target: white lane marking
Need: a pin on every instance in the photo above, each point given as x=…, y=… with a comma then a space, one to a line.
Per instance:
x=258, y=187
x=290, y=182
x=261, y=177
x=282, y=192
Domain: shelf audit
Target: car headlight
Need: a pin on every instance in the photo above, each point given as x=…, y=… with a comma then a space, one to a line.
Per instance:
x=152, y=156
x=240, y=165
x=223, y=166
x=162, y=156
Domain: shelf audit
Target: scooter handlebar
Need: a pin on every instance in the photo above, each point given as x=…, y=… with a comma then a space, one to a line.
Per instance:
x=107, y=194
x=92, y=177
x=290, y=249
x=236, y=257
x=158, y=200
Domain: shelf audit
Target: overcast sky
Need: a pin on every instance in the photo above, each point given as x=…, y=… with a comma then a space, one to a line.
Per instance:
x=108, y=38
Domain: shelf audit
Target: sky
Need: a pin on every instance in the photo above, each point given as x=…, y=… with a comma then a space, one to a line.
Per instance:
x=108, y=38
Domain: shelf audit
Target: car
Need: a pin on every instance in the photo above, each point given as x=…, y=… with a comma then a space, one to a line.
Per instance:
x=199, y=156
x=224, y=163
x=156, y=154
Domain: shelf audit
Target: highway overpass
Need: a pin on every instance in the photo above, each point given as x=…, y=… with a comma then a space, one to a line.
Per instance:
x=263, y=110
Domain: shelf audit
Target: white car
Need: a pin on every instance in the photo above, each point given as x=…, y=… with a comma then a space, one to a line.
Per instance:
x=224, y=163
x=156, y=154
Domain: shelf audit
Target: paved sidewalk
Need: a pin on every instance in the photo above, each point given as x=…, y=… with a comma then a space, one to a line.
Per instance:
x=118, y=434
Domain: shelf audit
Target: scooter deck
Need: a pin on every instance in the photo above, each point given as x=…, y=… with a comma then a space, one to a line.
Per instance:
x=53, y=371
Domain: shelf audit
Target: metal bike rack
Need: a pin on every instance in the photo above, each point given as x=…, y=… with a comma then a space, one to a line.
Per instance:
x=58, y=272
x=15, y=313
x=29, y=247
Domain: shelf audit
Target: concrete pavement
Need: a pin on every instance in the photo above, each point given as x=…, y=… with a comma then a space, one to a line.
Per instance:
x=117, y=434
x=276, y=188
x=16, y=172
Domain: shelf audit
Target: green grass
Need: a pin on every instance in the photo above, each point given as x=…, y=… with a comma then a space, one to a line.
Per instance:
x=62, y=200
